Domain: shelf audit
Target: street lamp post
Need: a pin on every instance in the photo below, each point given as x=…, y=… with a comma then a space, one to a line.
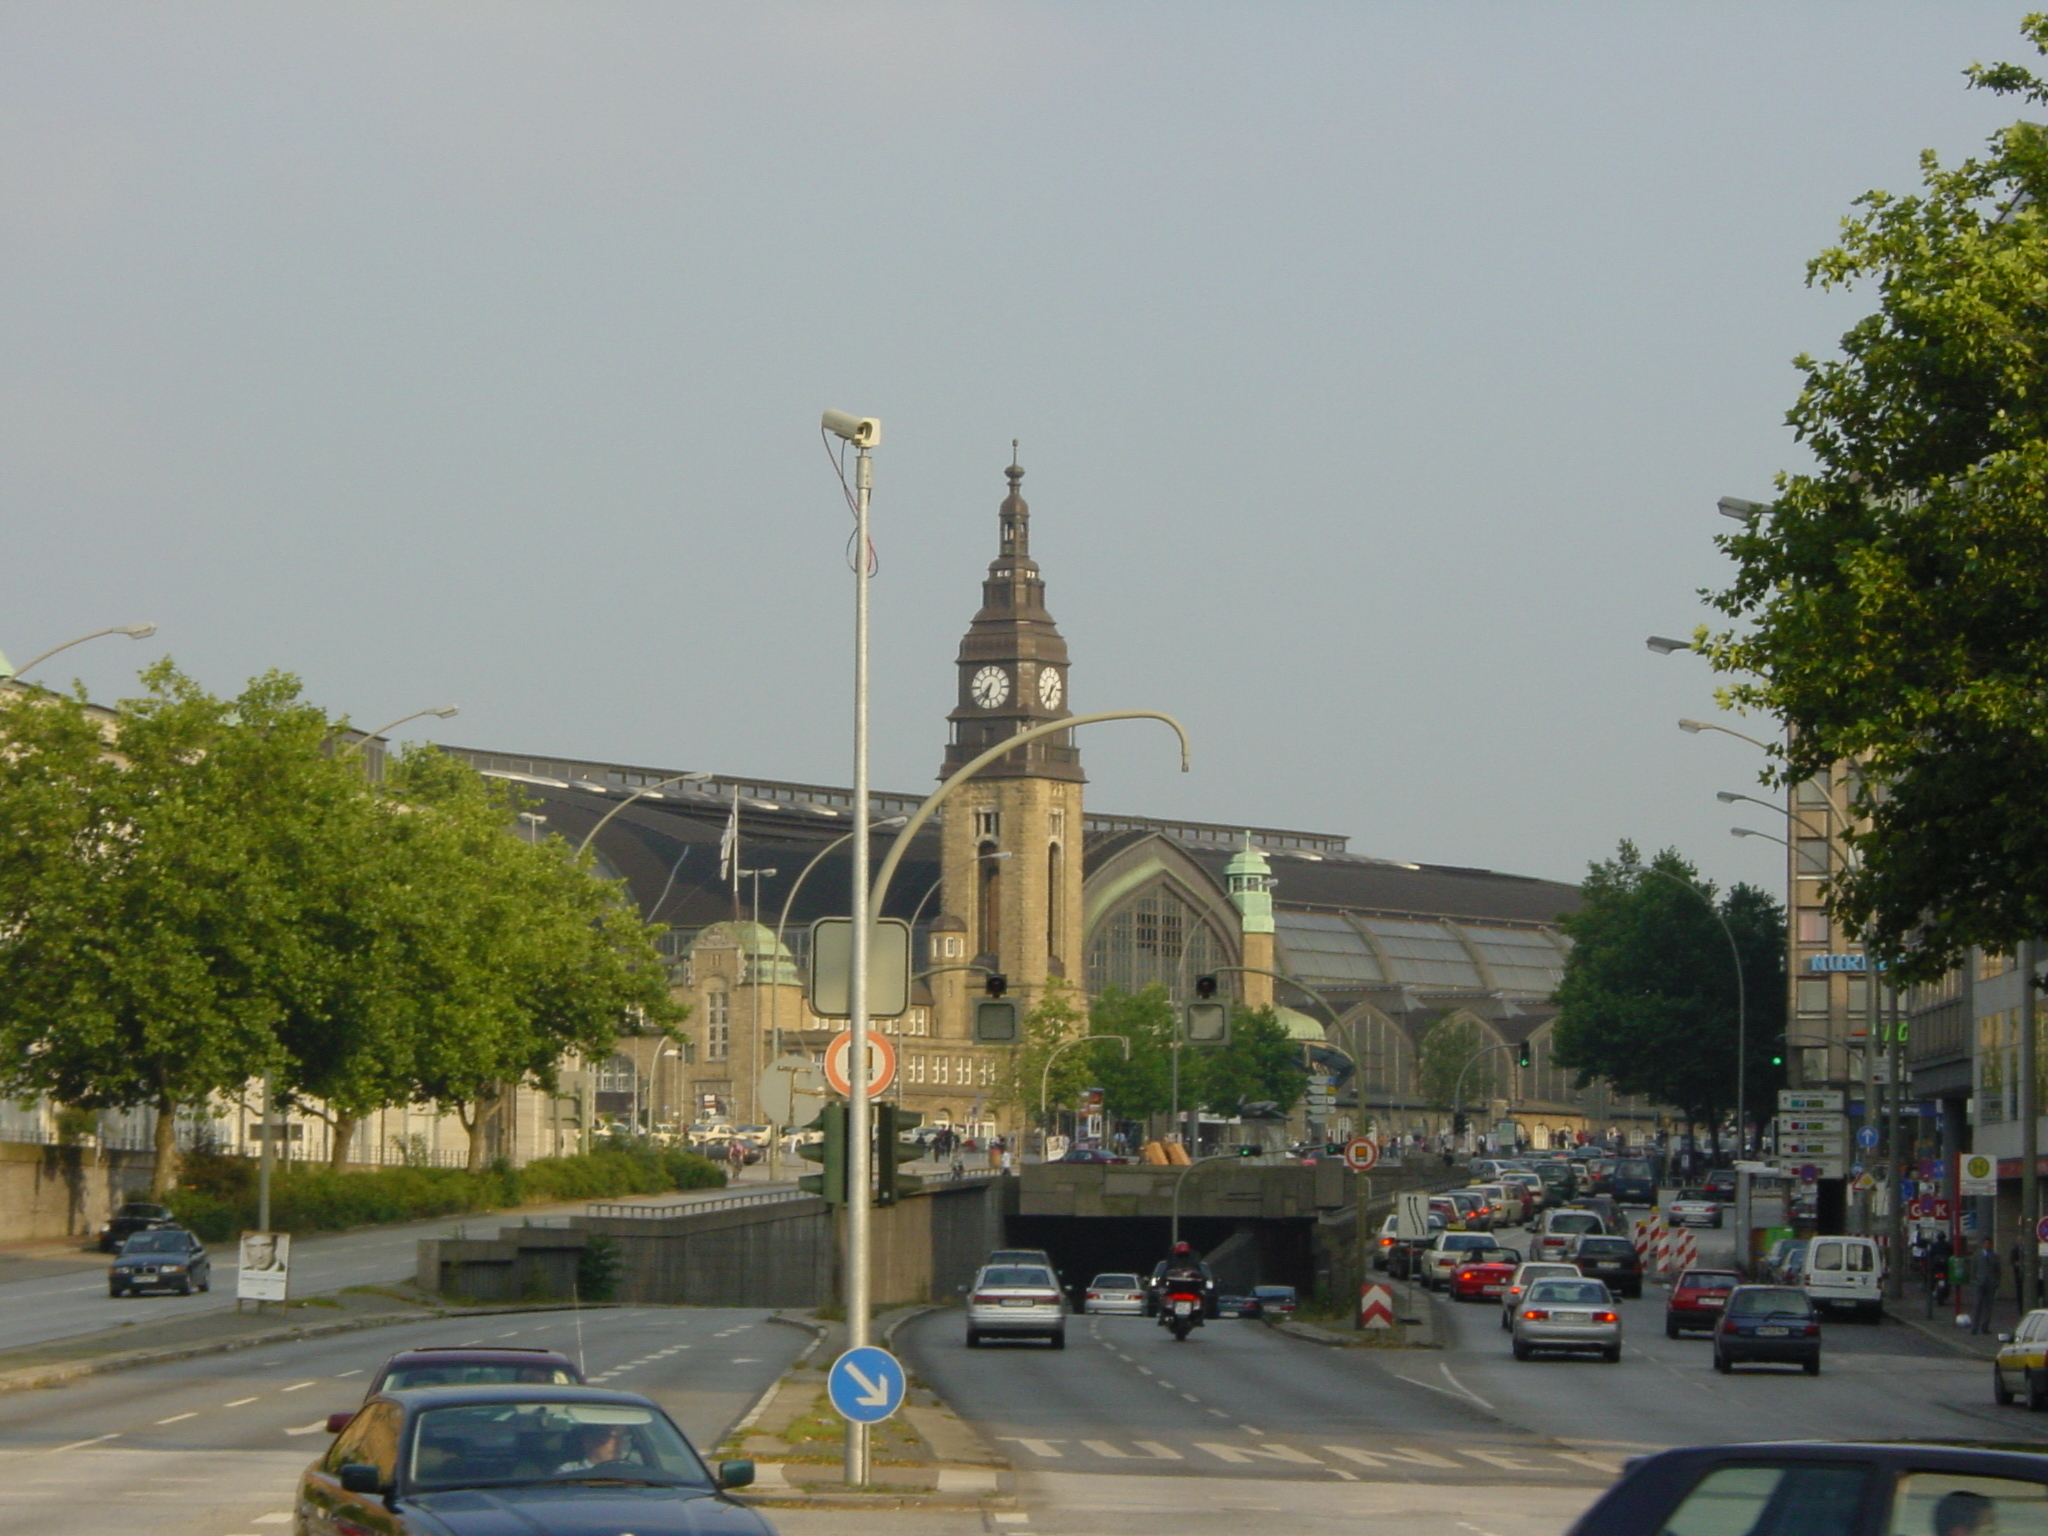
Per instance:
x=1173, y=1225
x=639, y=794
x=445, y=712
x=1045, y=1080
x=132, y=631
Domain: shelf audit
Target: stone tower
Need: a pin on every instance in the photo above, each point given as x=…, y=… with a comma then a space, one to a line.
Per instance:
x=1249, y=879
x=1012, y=842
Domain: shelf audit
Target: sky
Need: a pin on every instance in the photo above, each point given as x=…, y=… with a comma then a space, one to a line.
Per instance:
x=1376, y=367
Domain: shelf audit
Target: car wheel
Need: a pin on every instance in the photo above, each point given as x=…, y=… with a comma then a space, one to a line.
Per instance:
x=1522, y=1351
x=1059, y=1339
x=206, y=1284
x=973, y=1339
x=1670, y=1329
x=117, y=1292
x=184, y=1287
x=1811, y=1367
x=2001, y=1394
x=1722, y=1363
x=1612, y=1356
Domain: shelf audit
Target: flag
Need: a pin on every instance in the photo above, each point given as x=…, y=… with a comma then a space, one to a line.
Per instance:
x=729, y=845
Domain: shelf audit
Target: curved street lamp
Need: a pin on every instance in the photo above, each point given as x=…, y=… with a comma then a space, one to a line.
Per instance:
x=1694, y=727
x=1045, y=1080
x=132, y=631
x=640, y=794
x=445, y=712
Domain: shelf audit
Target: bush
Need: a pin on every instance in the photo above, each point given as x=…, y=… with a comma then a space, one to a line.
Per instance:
x=216, y=1197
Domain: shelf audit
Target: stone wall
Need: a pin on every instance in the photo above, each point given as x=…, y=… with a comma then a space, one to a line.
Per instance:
x=59, y=1192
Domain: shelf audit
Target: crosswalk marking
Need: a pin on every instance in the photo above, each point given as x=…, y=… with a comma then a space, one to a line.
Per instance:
x=1500, y=1459
x=1153, y=1451
x=1036, y=1447
x=1245, y=1453
x=1393, y=1453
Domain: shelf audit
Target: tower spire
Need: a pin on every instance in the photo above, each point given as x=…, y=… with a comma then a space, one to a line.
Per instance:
x=1015, y=513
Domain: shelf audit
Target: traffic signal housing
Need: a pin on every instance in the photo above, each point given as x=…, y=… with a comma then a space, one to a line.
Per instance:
x=995, y=1016
x=1523, y=1053
x=891, y=1152
x=830, y=1154
x=1205, y=1021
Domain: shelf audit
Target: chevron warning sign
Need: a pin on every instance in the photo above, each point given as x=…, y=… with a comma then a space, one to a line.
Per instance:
x=1375, y=1307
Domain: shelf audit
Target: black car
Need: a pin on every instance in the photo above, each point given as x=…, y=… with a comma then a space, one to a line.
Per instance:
x=1814, y=1489
x=480, y=1461
x=161, y=1259
x=1613, y=1259
x=1768, y=1324
x=134, y=1216
x=1719, y=1184
x=455, y=1365
x=1633, y=1182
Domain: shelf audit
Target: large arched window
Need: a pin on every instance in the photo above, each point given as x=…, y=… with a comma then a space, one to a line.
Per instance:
x=990, y=901
x=1055, y=892
x=1155, y=936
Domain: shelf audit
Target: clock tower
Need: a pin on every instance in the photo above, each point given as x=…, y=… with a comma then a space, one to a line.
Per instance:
x=1012, y=837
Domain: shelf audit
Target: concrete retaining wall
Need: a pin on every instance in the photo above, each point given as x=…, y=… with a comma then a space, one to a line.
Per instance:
x=57, y=1192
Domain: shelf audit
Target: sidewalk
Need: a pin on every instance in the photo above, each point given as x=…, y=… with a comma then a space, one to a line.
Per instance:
x=1911, y=1310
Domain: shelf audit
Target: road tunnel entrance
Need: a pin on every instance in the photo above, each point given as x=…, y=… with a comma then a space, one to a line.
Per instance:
x=1243, y=1253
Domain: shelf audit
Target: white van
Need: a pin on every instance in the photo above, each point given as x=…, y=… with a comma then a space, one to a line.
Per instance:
x=1845, y=1272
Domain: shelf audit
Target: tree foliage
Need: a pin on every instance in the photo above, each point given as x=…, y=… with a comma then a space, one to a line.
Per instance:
x=1451, y=1069
x=1259, y=1064
x=1649, y=996
x=1894, y=598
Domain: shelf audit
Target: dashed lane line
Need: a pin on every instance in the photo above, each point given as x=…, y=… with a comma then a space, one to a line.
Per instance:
x=80, y=1444
x=240, y=1402
x=298, y=1385
x=177, y=1417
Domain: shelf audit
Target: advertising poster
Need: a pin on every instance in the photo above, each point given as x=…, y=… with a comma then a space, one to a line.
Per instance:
x=266, y=1266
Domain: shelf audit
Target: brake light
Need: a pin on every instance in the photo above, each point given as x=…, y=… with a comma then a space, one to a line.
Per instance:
x=1535, y=1316
x=1041, y=1295
x=982, y=1299
x=1812, y=1330
x=1605, y=1317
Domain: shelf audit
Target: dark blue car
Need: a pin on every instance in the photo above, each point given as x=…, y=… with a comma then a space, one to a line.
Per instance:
x=1768, y=1324
x=483, y=1461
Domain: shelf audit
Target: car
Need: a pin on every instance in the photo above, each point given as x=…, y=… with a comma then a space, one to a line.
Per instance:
x=1558, y=1230
x=474, y=1461
x=1694, y=1208
x=1719, y=1184
x=1560, y=1182
x=1115, y=1293
x=1016, y=1301
x=1089, y=1155
x=1633, y=1182
x=1612, y=1259
x=1237, y=1306
x=453, y=1365
x=160, y=1259
x=1697, y=1300
x=1401, y=1257
x=1442, y=1257
x=1845, y=1273
x=720, y=1151
x=1475, y=1212
x=2021, y=1369
x=1572, y=1316
x=1526, y=1274
x=1821, y=1489
x=1534, y=1193
x=1483, y=1274
x=1276, y=1300
x=1770, y=1266
x=1510, y=1205
x=1770, y=1325
x=1445, y=1209
x=133, y=1216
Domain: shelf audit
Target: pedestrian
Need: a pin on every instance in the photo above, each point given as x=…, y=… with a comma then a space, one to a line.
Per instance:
x=1984, y=1282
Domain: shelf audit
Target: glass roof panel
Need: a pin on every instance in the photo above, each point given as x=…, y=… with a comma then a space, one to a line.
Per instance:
x=1520, y=960
x=1425, y=954
x=1322, y=947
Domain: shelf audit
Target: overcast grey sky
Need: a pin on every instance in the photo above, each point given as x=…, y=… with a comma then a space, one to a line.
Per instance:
x=1377, y=369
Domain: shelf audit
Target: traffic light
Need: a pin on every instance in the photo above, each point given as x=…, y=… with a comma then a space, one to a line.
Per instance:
x=1206, y=1021
x=995, y=1017
x=1523, y=1053
x=831, y=1153
x=891, y=1152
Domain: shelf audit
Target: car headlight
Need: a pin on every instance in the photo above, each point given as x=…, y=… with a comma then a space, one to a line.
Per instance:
x=170, y=1269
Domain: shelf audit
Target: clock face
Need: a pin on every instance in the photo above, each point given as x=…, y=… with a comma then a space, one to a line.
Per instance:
x=1049, y=688
x=991, y=685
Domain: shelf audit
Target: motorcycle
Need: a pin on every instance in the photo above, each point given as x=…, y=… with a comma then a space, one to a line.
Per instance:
x=1181, y=1311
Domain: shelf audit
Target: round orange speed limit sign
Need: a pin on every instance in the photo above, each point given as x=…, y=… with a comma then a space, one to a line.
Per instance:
x=881, y=1062
x=1361, y=1153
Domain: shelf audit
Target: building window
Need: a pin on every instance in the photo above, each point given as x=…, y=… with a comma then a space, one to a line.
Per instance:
x=942, y=1071
x=1155, y=936
x=1813, y=855
x=717, y=1026
x=1056, y=824
x=915, y=1070
x=617, y=1075
x=1990, y=964
x=988, y=824
x=1813, y=925
x=991, y=901
x=920, y=1022
x=1813, y=994
x=1055, y=906
x=1814, y=791
x=950, y=949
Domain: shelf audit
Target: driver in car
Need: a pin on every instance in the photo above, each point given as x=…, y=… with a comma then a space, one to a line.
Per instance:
x=603, y=1445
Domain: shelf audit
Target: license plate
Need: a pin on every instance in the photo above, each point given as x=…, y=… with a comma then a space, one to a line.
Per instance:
x=1182, y=1308
x=1493, y=1290
x=1713, y=1301
x=1608, y=1264
x=1772, y=1333
x=1571, y=1317
x=1016, y=1301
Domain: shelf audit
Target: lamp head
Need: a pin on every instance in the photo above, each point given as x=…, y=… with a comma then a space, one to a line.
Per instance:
x=1692, y=727
x=135, y=631
x=1664, y=645
x=446, y=711
x=1728, y=796
x=1742, y=511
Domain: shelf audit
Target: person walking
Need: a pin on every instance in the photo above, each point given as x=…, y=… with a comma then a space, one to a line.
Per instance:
x=1984, y=1268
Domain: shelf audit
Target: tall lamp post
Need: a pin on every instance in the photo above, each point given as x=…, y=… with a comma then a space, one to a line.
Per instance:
x=445, y=712
x=132, y=631
x=1045, y=1080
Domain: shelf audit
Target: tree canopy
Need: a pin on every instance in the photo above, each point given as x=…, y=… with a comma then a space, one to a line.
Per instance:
x=1893, y=599
x=1649, y=996
x=199, y=891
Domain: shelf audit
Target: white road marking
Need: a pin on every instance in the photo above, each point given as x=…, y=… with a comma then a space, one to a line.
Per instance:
x=1349, y=1477
x=1482, y=1402
x=275, y=1517
x=239, y=1402
x=1219, y=1413
x=512, y=1335
x=295, y=1386
x=1270, y=1451
x=1251, y=1429
x=174, y=1418
x=307, y=1429
x=76, y=1444
x=1378, y=1459
x=1191, y=1397
x=338, y=1375
x=1036, y=1447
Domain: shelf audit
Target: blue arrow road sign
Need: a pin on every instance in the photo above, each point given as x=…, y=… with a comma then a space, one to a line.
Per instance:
x=1867, y=1137
x=866, y=1384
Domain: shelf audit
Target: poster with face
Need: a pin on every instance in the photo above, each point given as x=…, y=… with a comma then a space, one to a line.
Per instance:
x=266, y=1266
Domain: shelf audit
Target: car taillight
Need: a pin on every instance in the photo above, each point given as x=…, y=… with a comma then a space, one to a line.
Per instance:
x=1605, y=1317
x=1041, y=1295
x=1535, y=1316
x=1812, y=1330
x=1095, y=1295
x=981, y=1299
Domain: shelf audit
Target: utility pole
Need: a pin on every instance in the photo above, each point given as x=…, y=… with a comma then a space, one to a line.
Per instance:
x=2027, y=1281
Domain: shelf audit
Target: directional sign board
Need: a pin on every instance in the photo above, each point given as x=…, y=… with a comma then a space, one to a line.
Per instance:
x=1361, y=1153
x=866, y=1384
x=1411, y=1216
x=881, y=1062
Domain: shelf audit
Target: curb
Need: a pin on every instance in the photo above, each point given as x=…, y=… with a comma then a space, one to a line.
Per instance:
x=1951, y=1338
x=63, y=1371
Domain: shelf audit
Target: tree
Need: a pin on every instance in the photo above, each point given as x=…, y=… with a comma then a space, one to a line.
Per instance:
x=1648, y=1000
x=1033, y=1079
x=1261, y=1063
x=1142, y=1086
x=1893, y=596
x=1451, y=1067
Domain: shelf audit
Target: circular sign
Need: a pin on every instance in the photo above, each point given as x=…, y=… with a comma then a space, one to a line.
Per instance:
x=1808, y=1172
x=2041, y=1229
x=1978, y=1166
x=1361, y=1153
x=881, y=1062
x=1867, y=1137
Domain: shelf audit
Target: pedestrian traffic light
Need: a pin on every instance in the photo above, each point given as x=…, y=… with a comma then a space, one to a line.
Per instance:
x=891, y=1152
x=830, y=1181
x=1523, y=1054
x=995, y=1017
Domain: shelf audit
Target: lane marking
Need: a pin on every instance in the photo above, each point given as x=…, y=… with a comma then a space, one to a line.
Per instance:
x=239, y=1402
x=1191, y=1397
x=176, y=1417
x=1036, y=1447
x=1349, y=1477
x=1377, y=1460
x=1219, y=1413
x=1482, y=1402
x=1248, y=1429
x=307, y=1429
x=295, y=1386
x=77, y=1444
x=338, y=1375
x=1270, y=1451
x=512, y=1335
x=275, y=1517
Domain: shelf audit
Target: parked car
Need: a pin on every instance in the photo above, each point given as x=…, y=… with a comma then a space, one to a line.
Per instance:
x=160, y=1259
x=1016, y=1301
x=134, y=1216
x=1276, y=1300
x=1695, y=1208
x=1816, y=1487
x=1567, y=1315
x=1089, y=1155
x=1768, y=1324
x=1525, y=1275
x=1697, y=1300
x=1845, y=1273
x=1237, y=1306
x=1483, y=1274
x=1612, y=1259
x=2021, y=1369
x=463, y=1461
x=1115, y=1293
x=1560, y=1229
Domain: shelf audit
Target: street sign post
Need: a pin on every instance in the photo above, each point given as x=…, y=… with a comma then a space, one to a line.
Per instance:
x=1867, y=1137
x=1361, y=1154
x=1411, y=1215
x=865, y=1384
x=881, y=1059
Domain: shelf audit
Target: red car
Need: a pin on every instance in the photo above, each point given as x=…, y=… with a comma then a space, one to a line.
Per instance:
x=1484, y=1275
x=1698, y=1300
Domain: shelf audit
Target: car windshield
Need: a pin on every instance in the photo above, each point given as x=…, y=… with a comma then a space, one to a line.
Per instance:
x=481, y=1444
x=1758, y=1300
x=1706, y=1280
x=154, y=1242
x=1634, y=1168
x=1116, y=1282
x=407, y=1378
x=1575, y=1221
x=1567, y=1290
x=1493, y=1256
x=1456, y=1241
x=1017, y=1274
x=1606, y=1247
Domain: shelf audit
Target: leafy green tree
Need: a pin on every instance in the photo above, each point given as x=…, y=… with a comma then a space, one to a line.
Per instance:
x=1649, y=996
x=1260, y=1063
x=1448, y=1058
x=1143, y=1086
x=1033, y=1079
x=1891, y=599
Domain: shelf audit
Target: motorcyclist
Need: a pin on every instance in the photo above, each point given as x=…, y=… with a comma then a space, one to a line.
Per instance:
x=1183, y=1266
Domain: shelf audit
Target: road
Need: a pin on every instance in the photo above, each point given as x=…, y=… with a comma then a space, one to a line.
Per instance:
x=1125, y=1428
x=213, y=1446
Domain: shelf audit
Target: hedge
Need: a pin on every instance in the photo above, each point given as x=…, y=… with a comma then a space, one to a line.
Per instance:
x=216, y=1197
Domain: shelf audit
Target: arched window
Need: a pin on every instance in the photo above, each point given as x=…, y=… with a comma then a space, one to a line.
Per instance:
x=1154, y=936
x=990, y=901
x=1055, y=909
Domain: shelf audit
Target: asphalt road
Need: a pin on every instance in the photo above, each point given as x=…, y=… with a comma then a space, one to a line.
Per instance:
x=214, y=1446
x=1125, y=1428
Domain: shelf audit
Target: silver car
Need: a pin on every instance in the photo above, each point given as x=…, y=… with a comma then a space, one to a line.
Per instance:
x=1526, y=1276
x=1016, y=1301
x=1115, y=1293
x=1570, y=1315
